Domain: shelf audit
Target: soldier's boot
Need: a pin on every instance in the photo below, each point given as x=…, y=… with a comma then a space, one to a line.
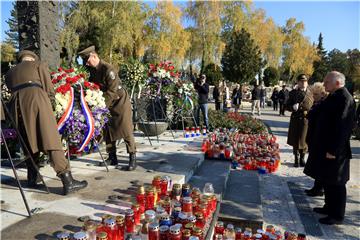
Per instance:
x=296, y=164
x=302, y=159
x=132, y=163
x=71, y=185
x=33, y=177
x=111, y=160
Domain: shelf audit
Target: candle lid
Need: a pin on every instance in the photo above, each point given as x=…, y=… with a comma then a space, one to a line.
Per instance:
x=197, y=230
x=120, y=219
x=63, y=235
x=80, y=236
x=186, y=233
x=101, y=235
x=154, y=226
x=110, y=222
x=186, y=186
x=164, y=228
x=141, y=190
x=177, y=186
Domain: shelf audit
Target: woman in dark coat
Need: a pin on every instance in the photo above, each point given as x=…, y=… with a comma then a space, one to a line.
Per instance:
x=275, y=99
x=237, y=97
x=313, y=117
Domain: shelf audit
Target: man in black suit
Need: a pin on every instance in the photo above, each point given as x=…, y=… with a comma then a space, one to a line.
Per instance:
x=338, y=115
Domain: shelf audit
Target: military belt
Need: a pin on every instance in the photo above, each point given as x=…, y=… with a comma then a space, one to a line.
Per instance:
x=25, y=85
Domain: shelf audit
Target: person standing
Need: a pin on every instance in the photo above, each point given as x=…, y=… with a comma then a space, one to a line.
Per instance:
x=337, y=119
x=299, y=103
x=218, y=95
x=283, y=97
x=120, y=125
x=262, y=96
x=275, y=98
x=255, y=97
x=202, y=88
x=30, y=107
x=237, y=97
x=313, y=138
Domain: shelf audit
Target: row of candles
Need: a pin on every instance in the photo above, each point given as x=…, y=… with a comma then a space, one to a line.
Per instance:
x=231, y=233
x=182, y=213
x=249, y=151
x=194, y=132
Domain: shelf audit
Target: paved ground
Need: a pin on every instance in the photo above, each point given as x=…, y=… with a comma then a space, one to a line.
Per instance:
x=178, y=158
x=278, y=203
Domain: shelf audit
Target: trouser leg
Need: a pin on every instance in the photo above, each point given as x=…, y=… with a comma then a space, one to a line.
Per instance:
x=204, y=109
x=335, y=200
x=197, y=115
x=130, y=144
x=58, y=161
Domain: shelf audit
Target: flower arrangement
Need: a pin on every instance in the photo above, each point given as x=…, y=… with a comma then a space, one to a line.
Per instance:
x=161, y=81
x=79, y=108
x=183, y=95
x=134, y=75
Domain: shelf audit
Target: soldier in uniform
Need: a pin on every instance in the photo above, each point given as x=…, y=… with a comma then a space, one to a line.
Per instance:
x=299, y=103
x=120, y=125
x=31, y=87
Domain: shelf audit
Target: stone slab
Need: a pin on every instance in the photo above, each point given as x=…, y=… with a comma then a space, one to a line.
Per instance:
x=242, y=202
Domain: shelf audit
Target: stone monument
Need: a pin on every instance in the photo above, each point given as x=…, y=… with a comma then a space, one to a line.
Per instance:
x=38, y=23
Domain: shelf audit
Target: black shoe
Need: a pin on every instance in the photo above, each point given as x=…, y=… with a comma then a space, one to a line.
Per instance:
x=330, y=220
x=132, y=162
x=314, y=192
x=111, y=160
x=33, y=177
x=320, y=210
x=71, y=185
x=296, y=164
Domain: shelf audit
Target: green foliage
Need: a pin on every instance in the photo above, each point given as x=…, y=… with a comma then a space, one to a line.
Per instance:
x=271, y=76
x=7, y=52
x=213, y=74
x=241, y=60
x=321, y=66
x=244, y=123
x=12, y=34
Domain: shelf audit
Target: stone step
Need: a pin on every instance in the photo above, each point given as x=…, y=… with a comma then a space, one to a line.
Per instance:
x=215, y=172
x=241, y=204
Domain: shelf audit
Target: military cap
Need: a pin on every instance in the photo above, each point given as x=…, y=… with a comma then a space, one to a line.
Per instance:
x=86, y=52
x=24, y=53
x=302, y=77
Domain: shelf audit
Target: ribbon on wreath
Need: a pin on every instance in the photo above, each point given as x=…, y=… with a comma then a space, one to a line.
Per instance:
x=90, y=122
x=68, y=112
x=187, y=98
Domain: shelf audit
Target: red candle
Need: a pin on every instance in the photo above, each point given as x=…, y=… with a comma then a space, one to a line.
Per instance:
x=163, y=187
x=129, y=221
x=153, y=233
x=136, y=208
x=164, y=232
x=175, y=233
x=156, y=182
x=149, y=199
x=187, y=205
x=140, y=198
x=219, y=228
x=120, y=223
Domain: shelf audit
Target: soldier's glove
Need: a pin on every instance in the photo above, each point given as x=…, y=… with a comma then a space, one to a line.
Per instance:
x=296, y=107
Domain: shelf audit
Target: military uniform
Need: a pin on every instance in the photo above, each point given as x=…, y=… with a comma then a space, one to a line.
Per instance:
x=31, y=87
x=298, y=122
x=117, y=99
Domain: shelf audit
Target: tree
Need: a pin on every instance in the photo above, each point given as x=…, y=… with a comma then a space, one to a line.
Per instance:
x=338, y=61
x=12, y=34
x=321, y=66
x=271, y=76
x=354, y=70
x=298, y=53
x=241, y=60
x=7, y=52
x=207, y=25
x=213, y=73
x=168, y=40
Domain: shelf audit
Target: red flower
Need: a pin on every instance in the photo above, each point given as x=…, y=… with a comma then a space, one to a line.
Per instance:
x=54, y=80
x=69, y=80
x=172, y=74
x=52, y=73
x=59, y=78
x=71, y=70
x=82, y=75
x=87, y=84
x=97, y=87
x=60, y=69
x=171, y=68
x=64, y=75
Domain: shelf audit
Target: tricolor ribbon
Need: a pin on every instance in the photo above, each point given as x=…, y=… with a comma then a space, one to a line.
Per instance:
x=90, y=122
x=187, y=98
x=68, y=111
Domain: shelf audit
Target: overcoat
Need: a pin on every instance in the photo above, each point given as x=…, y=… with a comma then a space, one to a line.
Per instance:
x=298, y=121
x=33, y=105
x=117, y=99
x=335, y=119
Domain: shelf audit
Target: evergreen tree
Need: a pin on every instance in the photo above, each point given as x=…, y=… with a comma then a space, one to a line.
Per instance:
x=241, y=60
x=213, y=73
x=12, y=34
x=321, y=66
x=271, y=76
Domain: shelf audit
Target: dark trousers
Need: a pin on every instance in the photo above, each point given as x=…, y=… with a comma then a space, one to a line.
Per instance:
x=217, y=105
x=275, y=103
x=282, y=108
x=318, y=186
x=335, y=200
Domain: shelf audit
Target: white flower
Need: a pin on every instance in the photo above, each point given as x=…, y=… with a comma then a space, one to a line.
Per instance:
x=180, y=90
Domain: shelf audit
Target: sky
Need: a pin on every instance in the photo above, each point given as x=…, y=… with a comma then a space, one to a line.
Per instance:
x=338, y=21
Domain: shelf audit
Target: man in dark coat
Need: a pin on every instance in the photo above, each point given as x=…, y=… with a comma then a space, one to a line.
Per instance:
x=299, y=103
x=283, y=97
x=338, y=115
x=218, y=95
x=120, y=125
x=202, y=88
x=275, y=98
x=31, y=87
x=255, y=99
